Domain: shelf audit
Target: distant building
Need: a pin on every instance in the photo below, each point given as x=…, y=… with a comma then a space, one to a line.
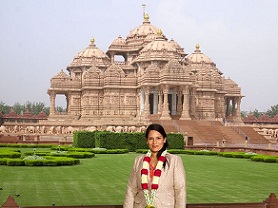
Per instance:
x=156, y=77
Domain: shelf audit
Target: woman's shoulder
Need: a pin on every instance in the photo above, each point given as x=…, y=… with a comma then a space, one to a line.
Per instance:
x=139, y=158
x=172, y=156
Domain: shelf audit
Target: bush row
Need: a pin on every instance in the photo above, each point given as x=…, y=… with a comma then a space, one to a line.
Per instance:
x=62, y=154
x=111, y=140
x=6, y=153
x=48, y=161
x=245, y=155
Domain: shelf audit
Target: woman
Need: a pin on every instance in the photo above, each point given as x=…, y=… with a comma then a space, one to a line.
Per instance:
x=157, y=179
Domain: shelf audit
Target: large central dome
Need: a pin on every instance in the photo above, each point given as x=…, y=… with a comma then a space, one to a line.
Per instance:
x=145, y=32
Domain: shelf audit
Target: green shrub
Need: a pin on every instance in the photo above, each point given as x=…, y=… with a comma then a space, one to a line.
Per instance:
x=67, y=161
x=39, y=153
x=3, y=161
x=15, y=162
x=209, y=153
x=34, y=162
x=50, y=163
x=111, y=140
x=265, y=158
x=61, y=148
x=142, y=151
x=9, y=154
x=175, y=151
x=78, y=155
x=73, y=149
x=84, y=138
x=117, y=151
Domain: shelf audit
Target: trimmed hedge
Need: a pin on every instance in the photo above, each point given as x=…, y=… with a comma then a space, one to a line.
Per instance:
x=52, y=161
x=15, y=162
x=265, y=158
x=6, y=153
x=72, y=154
x=111, y=140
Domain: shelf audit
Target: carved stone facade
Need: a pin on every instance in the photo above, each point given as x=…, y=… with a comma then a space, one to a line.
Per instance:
x=156, y=77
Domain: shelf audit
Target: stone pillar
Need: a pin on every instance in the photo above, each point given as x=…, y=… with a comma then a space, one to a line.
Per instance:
x=238, y=115
x=222, y=106
x=160, y=102
x=142, y=100
x=185, y=108
x=227, y=107
x=174, y=104
x=52, y=103
x=68, y=98
x=179, y=106
x=234, y=107
x=155, y=102
x=147, y=102
x=192, y=102
x=165, y=109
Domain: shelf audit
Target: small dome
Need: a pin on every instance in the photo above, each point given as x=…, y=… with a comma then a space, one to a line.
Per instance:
x=230, y=86
x=178, y=47
x=60, y=76
x=198, y=57
x=118, y=44
x=90, y=56
x=119, y=41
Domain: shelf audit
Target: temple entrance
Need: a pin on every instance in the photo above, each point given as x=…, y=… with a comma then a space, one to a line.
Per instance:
x=189, y=141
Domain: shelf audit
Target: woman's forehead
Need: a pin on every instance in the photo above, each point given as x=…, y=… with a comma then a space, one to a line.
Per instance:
x=154, y=133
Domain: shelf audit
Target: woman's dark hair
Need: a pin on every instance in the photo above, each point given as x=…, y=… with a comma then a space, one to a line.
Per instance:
x=160, y=129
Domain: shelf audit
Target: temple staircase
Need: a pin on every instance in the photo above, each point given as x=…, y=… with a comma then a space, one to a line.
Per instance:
x=212, y=132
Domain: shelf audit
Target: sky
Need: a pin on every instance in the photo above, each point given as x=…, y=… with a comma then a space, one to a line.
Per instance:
x=38, y=38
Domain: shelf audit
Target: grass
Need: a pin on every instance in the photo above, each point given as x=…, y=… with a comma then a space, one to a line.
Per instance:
x=103, y=179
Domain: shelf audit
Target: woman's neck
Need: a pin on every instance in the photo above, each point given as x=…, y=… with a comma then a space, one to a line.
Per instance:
x=153, y=154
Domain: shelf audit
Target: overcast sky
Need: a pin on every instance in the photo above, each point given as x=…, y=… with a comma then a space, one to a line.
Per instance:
x=38, y=38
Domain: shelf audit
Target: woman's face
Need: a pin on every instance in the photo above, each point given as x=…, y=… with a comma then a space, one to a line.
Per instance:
x=155, y=141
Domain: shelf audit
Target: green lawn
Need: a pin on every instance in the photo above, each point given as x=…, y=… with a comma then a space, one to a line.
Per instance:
x=103, y=180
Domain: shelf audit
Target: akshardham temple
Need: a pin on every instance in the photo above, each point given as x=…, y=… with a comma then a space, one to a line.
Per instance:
x=155, y=77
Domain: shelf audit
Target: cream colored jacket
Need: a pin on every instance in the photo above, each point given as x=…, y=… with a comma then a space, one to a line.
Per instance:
x=171, y=192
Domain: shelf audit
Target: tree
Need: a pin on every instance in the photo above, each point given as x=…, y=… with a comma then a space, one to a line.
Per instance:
x=19, y=109
x=256, y=113
x=33, y=108
x=244, y=114
x=273, y=111
x=4, y=109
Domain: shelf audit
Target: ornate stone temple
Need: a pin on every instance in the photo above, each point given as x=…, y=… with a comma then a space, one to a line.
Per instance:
x=155, y=78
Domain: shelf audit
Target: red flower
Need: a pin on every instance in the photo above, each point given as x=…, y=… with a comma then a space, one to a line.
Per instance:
x=147, y=159
x=144, y=172
x=154, y=186
x=144, y=186
x=157, y=172
x=162, y=159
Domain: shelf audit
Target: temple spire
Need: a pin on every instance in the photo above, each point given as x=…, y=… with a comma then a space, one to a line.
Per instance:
x=144, y=13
